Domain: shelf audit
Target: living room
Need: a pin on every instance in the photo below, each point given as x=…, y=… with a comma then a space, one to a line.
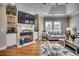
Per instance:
x=26, y=30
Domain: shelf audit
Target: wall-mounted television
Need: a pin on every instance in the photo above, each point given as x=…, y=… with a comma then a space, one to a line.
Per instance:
x=25, y=18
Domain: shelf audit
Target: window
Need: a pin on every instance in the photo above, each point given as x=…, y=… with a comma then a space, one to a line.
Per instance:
x=57, y=26
x=48, y=25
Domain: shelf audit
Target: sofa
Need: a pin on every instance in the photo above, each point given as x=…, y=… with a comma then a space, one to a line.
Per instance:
x=50, y=35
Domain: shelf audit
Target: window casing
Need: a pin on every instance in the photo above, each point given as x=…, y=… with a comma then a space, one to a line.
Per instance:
x=53, y=26
x=57, y=26
x=48, y=25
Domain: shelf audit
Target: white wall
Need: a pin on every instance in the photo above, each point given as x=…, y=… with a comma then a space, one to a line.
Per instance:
x=74, y=22
x=3, y=23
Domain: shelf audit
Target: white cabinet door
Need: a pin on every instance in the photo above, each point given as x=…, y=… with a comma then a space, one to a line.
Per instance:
x=11, y=39
x=35, y=35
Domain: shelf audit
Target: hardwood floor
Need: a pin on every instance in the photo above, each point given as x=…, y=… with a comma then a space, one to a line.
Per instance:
x=29, y=50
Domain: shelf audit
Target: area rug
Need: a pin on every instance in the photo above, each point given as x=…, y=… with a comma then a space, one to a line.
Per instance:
x=48, y=49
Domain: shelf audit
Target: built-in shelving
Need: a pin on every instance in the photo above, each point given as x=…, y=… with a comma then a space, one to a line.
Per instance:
x=11, y=10
x=13, y=16
x=8, y=22
x=11, y=13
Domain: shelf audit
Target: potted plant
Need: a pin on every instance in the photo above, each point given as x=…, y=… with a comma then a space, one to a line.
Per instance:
x=73, y=36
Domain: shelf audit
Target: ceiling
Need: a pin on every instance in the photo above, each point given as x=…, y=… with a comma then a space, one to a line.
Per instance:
x=49, y=8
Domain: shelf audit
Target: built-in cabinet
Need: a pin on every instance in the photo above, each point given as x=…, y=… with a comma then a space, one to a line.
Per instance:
x=11, y=14
x=11, y=39
x=8, y=25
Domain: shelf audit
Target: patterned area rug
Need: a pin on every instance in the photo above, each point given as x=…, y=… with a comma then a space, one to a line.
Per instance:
x=48, y=49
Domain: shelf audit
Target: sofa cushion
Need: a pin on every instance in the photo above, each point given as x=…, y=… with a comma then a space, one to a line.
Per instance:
x=57, y=35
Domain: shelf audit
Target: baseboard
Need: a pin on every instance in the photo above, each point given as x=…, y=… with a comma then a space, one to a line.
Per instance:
x=12, y=46
x=2, y=48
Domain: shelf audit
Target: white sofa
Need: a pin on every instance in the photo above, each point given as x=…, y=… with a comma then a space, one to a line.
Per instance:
x=54, y=35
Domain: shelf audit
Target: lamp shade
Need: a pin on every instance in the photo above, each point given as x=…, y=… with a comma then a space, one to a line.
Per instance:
x=67, y=28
